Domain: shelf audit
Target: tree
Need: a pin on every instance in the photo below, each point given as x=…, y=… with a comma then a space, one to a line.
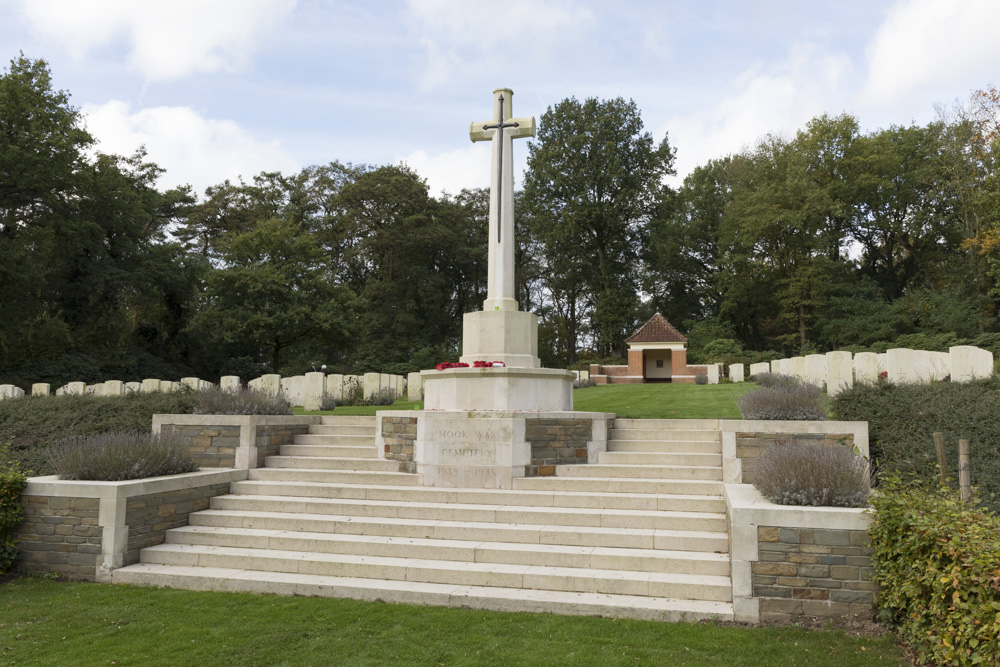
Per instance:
x=594, y=179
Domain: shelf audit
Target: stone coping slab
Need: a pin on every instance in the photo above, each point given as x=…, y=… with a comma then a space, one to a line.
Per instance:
x=52, y=486
x=235, y=420
x=747, y=510
x=500, y=414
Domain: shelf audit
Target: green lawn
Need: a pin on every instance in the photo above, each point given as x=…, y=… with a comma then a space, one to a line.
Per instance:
x=44, y=622
x=663, y=401
x=637, y=401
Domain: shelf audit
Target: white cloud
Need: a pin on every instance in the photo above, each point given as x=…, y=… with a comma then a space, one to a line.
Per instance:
x=192, y=149
x=776, y=100
x=926, y=43
x=165, y=40
x=450, y=171
x=461, y=40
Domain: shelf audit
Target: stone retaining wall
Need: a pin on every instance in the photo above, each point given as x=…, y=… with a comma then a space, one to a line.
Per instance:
x=85, y=530
x=556, y=442
x=212, y=446
x=812, y=572
x=149, y=517
x=790, y=562
x=270, y=438
x=60, y=535
x=751, y=446
x=398, y=435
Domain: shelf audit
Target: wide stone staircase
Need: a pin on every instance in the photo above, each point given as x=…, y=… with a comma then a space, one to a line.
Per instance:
x=641, y=533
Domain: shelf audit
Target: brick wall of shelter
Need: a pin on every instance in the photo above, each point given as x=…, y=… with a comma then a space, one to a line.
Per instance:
x=750, y=446
x=212, y=446
x=556, y=442
x=60, y=535
x=399, y=434
x=806, y=572
x=150, y=516
x=270, y=438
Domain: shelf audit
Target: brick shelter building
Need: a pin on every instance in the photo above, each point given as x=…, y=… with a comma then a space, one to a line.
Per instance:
x=657, y=352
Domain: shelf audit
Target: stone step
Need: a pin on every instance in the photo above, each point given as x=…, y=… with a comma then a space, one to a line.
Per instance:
x=679, y=446
x=342, y=440
x=334, y=420
x=662, y=436
x=708, y=473
x=590, y=536
x=343, y=429
x=669, y=424
x=505, y=514
x=331, y=463
x=337, y=451
x=334, y=476
x=619, y=485
x=539, y=577
x=658, y=458
x=603, y=558
x=541, y=498
x=409, y=592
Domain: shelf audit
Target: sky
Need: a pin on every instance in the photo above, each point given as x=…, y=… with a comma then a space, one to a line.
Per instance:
x=224, y=89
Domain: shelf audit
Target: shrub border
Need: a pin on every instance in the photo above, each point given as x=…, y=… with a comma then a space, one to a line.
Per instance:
x=732, y=466
x=747, y=510
x=113, y=500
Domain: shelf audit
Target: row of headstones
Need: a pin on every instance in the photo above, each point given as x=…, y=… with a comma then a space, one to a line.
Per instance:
x=109, y=388
x=840, y=370
x=309, y=390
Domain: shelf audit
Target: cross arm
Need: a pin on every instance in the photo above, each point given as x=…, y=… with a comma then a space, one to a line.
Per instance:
x=525, y=128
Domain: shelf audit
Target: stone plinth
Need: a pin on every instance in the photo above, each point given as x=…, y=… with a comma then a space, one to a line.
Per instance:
x=488, y=449
x=498, y=389
x=510, y=336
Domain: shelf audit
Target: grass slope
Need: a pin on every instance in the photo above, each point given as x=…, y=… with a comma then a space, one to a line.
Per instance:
x=43, y=622
x=663, y=401
x=636, y=401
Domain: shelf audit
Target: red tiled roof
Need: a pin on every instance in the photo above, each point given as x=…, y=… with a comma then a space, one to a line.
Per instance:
x=656, y=330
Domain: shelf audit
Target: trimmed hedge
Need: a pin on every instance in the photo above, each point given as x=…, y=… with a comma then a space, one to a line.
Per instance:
x=32, y=423
x=902, y=419
x=937, y=563
x=12, y=482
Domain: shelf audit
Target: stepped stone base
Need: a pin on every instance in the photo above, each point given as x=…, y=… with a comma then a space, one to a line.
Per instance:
x=488, y=449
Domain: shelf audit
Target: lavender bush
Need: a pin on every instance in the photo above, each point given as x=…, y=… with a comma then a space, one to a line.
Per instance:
x=789, y=402
x=215, y=401
x=797, y=473
x=112, y=457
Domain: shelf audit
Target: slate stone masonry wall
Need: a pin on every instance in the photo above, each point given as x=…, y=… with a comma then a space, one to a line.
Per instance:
x=808, y=572
x=60, y=535
x=750, y=446
x=556, y=442
x=399, y=434
x=213, y=446
x=149, y=517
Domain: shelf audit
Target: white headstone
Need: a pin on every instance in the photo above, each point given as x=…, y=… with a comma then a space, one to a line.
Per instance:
x=271, y=383
x=585, y=376
x=940, y=365
x=840, y=372
x=96, y=389
x=816, y=371
x=962, y=363
x=335, y=386
x=921, y=366
x=883, y=362
x=400, y=385
x=41, y=389
x=190, y=382
x=371, y=384
x=114, y=388
x=414, y=387
x=713, y=373
x=785, y=366
x=314, y=389
x=150, y=385
x=736, y=372
x=133, y=387
x=776, y=365
x=866, y=367
x=757, y=369
x=76, y=388
x=797, y=367
x=230, y=382
x=900, y=365
x=984, y=363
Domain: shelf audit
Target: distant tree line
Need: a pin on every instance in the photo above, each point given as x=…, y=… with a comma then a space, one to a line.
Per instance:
x=831, y=239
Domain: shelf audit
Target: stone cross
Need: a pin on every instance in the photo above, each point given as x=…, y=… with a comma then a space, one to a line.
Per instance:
x=501, y=130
